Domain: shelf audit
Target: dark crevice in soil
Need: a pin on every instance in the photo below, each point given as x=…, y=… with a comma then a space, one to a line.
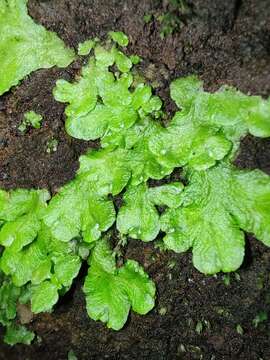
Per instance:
x=254, y=154
x=237, y=7
x=224, y=42
x=174, y=176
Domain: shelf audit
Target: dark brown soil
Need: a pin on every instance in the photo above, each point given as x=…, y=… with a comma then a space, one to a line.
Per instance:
x=223, y=42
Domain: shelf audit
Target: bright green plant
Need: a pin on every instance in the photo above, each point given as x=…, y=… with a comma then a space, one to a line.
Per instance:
x=209, y=214
x=51, y=145
x=219, y=201
x=9, y=296
x=138, y=217
x=215, y=207
x=86, y=47
x=119, y=37
x=80, y=209
x=31, y=118
x=32, y=261
x=111, y=291
x=21, y=38
x=18, y=334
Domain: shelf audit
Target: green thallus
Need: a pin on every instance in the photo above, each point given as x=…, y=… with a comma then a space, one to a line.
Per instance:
x=43, y=238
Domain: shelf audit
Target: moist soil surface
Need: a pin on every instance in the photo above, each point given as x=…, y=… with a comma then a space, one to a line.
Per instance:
x=196, y=316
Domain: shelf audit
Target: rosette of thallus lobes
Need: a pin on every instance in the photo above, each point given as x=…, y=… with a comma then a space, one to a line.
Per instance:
x=45, y=239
